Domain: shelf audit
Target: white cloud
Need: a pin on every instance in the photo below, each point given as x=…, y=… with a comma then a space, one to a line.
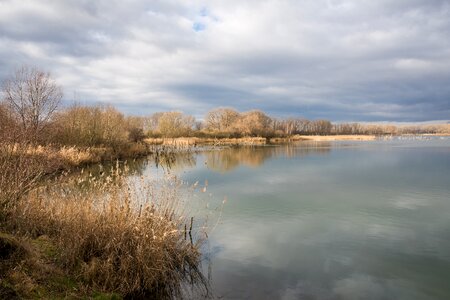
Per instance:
x=335, y=59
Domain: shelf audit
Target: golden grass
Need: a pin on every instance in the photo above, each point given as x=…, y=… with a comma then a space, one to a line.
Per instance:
x=131, y=238
x=64, y=157
x=73, y=156
x=19, y=173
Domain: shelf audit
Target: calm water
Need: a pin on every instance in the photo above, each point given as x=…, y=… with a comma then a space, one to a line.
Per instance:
x=341, y=220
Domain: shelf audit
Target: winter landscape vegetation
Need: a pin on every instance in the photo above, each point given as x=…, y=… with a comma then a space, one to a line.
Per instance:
x=203, y=161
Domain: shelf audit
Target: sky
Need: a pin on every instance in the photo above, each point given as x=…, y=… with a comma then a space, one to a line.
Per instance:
x=360, y=60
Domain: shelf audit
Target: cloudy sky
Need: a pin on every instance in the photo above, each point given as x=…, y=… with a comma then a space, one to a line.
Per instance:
x=360, y=60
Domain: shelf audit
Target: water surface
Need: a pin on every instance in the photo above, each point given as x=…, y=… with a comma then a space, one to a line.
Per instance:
x=339, y=220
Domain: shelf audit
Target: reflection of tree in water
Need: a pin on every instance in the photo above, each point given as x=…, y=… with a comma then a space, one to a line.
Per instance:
x=227, y=159
x=303, y=148
x=174, y=161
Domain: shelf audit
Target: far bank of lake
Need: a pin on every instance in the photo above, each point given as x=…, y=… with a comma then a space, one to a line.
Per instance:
x=249, y=141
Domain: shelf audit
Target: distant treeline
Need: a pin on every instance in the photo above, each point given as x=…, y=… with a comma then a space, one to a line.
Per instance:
x=30, y=108
x=228, y=122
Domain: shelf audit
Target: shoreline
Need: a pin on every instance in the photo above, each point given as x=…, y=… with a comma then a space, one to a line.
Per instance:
x=324, y=138
x=66, y=158
x=184, y=142
x=249, y=141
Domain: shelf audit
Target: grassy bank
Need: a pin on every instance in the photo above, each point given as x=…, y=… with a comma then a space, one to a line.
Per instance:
x=30, y=270
x=187, y=142
x=248, y=141
x=117, y=238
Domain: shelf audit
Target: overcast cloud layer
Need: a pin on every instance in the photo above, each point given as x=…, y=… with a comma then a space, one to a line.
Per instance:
x=360, y=60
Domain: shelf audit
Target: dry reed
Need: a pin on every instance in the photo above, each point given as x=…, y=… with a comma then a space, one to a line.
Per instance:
x=127, y=237
x=19, y=173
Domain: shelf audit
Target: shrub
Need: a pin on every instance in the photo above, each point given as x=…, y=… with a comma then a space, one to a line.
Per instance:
x=136, y=134
x=90, y=126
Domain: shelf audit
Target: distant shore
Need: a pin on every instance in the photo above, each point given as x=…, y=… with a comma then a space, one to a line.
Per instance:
x=248, y=141
x=321, y=138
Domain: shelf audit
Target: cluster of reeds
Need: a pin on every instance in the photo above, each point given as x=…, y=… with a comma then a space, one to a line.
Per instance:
x=72, y=155
x=64, y=157
x=79, y=156
x=19, y=173
x=130, y=237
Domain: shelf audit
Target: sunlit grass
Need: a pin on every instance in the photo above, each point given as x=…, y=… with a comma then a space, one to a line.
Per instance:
x=120, y=237
x=134, y=238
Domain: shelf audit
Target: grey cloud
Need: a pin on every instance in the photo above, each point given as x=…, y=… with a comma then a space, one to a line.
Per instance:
x=343, y=60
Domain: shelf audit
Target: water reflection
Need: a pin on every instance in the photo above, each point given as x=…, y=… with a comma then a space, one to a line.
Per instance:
x=173, y=162
x=228, y=159
x=364, y=221
x=219, y=160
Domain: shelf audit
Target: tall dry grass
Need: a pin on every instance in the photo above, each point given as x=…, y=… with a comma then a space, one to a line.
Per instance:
x=129, y=237
x=66, y=157
x=19, y=173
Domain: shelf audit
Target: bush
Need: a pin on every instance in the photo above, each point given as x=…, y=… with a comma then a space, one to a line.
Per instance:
x=136, y=134
x=90, y=126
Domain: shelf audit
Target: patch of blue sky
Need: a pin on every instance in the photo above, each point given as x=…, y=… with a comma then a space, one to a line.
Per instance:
x=198, y=26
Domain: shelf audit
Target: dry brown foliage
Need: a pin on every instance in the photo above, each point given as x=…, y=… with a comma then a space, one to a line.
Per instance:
x=20, y=172
x=131, y=238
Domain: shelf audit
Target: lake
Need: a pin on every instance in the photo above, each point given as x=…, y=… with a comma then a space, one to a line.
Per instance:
x=329, y=220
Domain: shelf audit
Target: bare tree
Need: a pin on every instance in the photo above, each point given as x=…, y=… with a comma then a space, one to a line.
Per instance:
x=254, y=123
x=33, y=96
x=221, y=119
x=174, y=124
